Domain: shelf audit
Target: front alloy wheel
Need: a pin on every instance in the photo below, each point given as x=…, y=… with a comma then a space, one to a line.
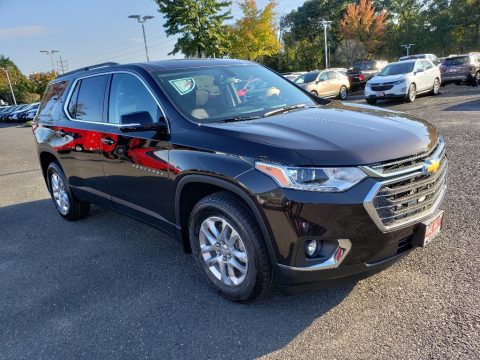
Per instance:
x=436, y=87
x=229, y=248
x=223, y=251
x=412, y=93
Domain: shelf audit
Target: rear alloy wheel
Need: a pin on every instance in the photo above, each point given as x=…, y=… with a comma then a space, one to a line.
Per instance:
x=436, y=87
x=342, y=95
x=313, y=92
x=229, y=248
x=66, y=204
x=412, y=93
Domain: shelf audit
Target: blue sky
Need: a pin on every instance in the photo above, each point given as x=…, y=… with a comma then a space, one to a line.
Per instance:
x=86, y=31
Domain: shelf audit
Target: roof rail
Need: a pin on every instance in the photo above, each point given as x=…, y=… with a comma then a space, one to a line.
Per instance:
x=91, y=67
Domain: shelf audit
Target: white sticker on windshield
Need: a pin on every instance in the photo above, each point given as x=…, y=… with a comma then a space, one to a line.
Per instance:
x=183, y=86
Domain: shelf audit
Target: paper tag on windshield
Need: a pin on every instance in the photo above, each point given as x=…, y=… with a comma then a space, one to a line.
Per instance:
x=183, y=86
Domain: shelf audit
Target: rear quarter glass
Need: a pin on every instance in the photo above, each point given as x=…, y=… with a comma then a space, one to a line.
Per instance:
x=50, y=102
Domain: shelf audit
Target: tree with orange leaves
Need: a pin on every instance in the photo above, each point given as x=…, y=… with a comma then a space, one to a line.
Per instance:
x=362, y=23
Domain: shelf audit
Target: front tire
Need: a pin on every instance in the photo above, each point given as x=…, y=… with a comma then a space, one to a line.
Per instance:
x=412, y=93
x=342, y=95
x=67, y=205
x=313, y=92
x=229, y=248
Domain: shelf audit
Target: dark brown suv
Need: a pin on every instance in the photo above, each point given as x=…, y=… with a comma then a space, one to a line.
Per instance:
x=460, y=69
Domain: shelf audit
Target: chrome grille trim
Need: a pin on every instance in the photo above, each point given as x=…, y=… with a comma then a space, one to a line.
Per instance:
x=406, y=199
x=378, y=170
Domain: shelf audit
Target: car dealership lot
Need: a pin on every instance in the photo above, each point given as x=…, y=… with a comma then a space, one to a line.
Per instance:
x=110, y=287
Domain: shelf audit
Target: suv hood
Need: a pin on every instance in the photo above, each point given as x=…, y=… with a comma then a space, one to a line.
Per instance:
x=388, y=78
x=336, y=134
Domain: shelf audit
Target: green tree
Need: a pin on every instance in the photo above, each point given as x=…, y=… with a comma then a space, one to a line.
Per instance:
x=40, y=80
x=21, y=85
x=200, y=24
x=255, y=34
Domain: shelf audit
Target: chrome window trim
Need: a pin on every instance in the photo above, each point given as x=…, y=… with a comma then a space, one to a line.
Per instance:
x=72, y=88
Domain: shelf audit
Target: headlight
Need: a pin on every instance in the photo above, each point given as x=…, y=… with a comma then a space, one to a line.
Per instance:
x=313, y=179
x=399, y=82
x=367, y=85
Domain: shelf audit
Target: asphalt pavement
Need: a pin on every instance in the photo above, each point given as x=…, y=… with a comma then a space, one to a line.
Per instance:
x=108, y=287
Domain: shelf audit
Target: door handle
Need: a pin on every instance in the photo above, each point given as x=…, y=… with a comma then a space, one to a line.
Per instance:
x=107, y=141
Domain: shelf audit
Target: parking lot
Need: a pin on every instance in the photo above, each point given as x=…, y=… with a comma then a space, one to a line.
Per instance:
x=109, y=287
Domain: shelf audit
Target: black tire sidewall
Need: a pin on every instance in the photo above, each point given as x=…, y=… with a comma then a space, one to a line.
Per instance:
x=340, y=93
x=409, y=98
x=202, y=211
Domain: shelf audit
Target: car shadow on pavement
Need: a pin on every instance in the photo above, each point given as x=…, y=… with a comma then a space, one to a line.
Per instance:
x=473, y=105
x=110, y=287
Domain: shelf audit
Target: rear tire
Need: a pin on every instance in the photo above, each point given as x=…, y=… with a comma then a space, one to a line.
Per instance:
x=371, y=101
x=412, y=93
x=229, y=248
x=67, y=205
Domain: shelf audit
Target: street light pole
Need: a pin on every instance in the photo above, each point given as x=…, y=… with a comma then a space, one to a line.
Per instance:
x=50, y=53
x=142, y=20
x=407, y=46
x=325, y=25
x=10, y=84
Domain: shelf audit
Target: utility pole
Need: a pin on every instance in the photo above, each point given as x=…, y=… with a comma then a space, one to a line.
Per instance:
x=407, y=46
x=142, y=20
x=326, y=25
x=50, y=53
x=10, y=84
x=62, y=64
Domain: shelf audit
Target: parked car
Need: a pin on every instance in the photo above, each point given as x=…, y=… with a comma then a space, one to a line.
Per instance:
x=4, y=115
x=432, y=57
x=313, y=191
x=292, y=76
x=27, y=113
x=362, y=71
x=461, y=69
x=14, y=116
x=325, y=83
x=404, y=80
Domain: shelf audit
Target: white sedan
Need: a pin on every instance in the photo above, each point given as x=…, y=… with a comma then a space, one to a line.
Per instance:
x=404, y=80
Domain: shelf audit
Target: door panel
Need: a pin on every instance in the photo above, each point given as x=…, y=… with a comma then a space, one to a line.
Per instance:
x=78, y=139
x=136, y=164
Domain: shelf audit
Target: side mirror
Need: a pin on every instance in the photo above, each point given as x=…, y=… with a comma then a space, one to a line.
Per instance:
x=142, y=121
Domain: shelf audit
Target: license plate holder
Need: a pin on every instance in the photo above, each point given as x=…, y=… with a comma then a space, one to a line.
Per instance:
x=380, y=93
x=428, y=230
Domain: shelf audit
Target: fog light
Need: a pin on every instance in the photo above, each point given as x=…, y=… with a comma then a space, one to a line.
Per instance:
x=311, y=247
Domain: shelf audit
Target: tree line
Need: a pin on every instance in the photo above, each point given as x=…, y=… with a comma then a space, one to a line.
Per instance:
x=361, y=29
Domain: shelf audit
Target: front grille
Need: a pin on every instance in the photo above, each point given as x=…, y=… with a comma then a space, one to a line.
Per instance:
x=382, y=87
x=408, y=193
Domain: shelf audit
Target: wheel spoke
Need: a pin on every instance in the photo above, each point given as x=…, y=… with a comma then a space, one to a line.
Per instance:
x=214, y=260
x=208, y=236
x=207, y=248
x=236, y=265
x=212, y=228
x=240, y=255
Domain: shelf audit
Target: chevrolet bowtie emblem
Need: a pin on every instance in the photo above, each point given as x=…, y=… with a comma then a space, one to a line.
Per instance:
x=431, y=166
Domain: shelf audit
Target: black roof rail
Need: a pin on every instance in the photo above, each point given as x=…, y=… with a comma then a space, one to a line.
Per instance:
x=90, y=67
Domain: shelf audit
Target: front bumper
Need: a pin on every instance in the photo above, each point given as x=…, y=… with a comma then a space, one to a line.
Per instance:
x=294, y=217
x=395, y=92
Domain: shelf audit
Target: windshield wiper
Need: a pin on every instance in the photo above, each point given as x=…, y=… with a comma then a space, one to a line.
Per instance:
x=284, y=109
x=237, y=118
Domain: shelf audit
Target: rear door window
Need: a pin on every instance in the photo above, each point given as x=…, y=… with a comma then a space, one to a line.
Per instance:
x=87, y=100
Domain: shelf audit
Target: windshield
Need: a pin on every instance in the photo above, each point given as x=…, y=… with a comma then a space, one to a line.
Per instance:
x=306, y=78
x=456, y=60
x=364, y=65
x=233, y=93
x=397, y=69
